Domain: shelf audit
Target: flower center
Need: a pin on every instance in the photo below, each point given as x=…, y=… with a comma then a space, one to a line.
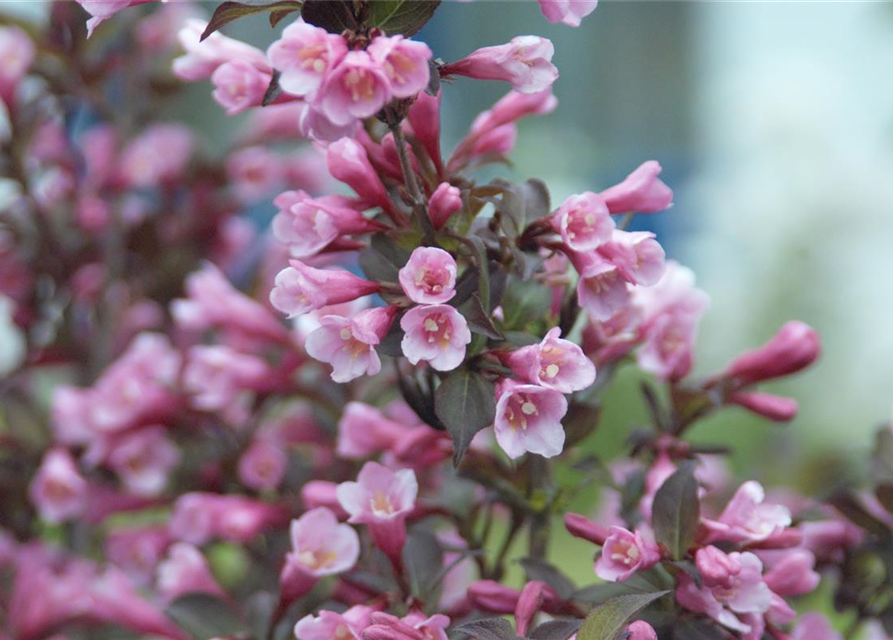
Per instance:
x=381, y=504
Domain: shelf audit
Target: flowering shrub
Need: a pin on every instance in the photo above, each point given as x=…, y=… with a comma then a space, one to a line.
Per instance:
x=337, y=430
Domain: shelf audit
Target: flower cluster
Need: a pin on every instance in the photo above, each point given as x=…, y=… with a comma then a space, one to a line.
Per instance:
x=339, y=428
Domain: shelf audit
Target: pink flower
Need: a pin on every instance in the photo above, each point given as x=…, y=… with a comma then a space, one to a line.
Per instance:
x=58, y=490
x=214, y=302
x=405, y=63
x=529, y=604
x=571, y=13
x=308, y=225
x=583, y=222
x=348, y=162
x=429, y=277
x=305, y=55
x=793, y=348
x=776, y=408
x=411, y=627
x=524, y=62
x=356, y=88
x=144, y=459
x=793, y=574
x=740, y=591
x=424, y=119
x=641, y=191
x=321, y=546
x=160, y=154
x=204, y=56
x=553, y=363
x=254, y=172
x=639, y=258
x=623, y=554
x=329, y=625
x=194, y=517
x=364, y=431
x=102, y=10
x=17, y=51
x=216, y=374
x=814, y=626
x=640, y=630
x=747, y=518
x=444, y=202
x=185, y=570
x=528, y=419
x=137, y=550
x=601, y=290
x=348, y=344
x=582, y=527
x=262, y=467
x=239, y=85
x=435, y=333
x=322, y=493
x=300, y=289
x=381, y=499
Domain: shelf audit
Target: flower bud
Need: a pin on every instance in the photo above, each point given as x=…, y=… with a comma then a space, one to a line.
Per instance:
x=445, y=201
x=775, y=408
x=524, y=62
x=794, y=347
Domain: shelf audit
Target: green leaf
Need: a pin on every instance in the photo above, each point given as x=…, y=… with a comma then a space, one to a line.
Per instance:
x=700, y=630
x=422, y=560
x=230, y=11
x=204, y=616
x=334, y=16
x=465, y=403
x=607, y=621
x=882, y=456
x=537, y=203
x=403, y=17
x=543, y=571
x=850, y=506
x=383, y=259
x=487, y=629
x=884, y=493
x=525, y=300
x=676, y=511
x=480, y=321
x=556, y=630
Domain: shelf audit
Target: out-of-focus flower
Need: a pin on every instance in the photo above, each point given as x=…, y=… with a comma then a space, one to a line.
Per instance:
x=525, y=62
x=58, y=490
x=641, y=191
x=159, y=154
x=144, y=459
x=202, y=57
x=185, y=570
x=262, y=467
x=571, y=13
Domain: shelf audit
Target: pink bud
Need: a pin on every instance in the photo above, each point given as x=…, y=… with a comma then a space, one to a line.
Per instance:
x=300, y=289
x=794, y=347
x=405, y=63
x=262, y=467
x=640, y=630
x=775, y=408
x=583, y=222
x=58, y=490
x=623, y=554
x=582, y=527
x=304, y=55
x=717, y=569
x=528, y=419
x=348, y=162
x=641, y=191
x=239, y=85
x=571, y=13
x=524, y=62
x=381, y=499
x=444, y=202
x=528, y=606
x=437, y=334
x=424, y=118
x=493, y=597
x=429, y=277
x=554, y=363
x=348, y=344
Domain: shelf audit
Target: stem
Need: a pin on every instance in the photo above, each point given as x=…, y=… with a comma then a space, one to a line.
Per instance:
x=419, y=205
x=540, y=481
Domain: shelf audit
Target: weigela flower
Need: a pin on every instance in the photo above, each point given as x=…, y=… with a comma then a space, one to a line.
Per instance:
x=524, y=62
x=356, y=88
x=239, y=85
x=793, y=348
x=348, y=344
x=58, y=490
x=423, y=121
x=381, y=499
x=411, y=627
x=404, y=62
x=777, y=408
x=308, y=225
x=144, y=459
x=214, y=375
x=528, y=419
x=304, y=56
x=554, y=363
x=571, y=13
x=364, y=431
x=814, y=625
x=185, y=570
x=348, y=162
x=102, y=10
x=160, y=154
x=437, y=334
x=429, y=277
x=262, y=467
x=747, y=518
x=641, y=191
x=601, y=291
x=639, y=258
x=254, y=172
x=329, y=625
x=444, y=202
x=739, y=592
x=624, y=553
x=202, y=57
x=300, y=289
x=583, y=221
x=137, y=550
x=793, y=574
x=17, y=51
x=640, y=630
